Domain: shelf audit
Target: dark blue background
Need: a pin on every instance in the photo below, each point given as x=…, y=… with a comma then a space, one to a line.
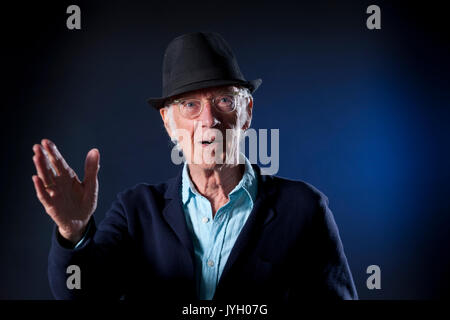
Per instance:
x=363, y=115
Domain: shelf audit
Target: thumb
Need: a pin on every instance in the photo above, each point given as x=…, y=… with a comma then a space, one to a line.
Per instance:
x=91, y=167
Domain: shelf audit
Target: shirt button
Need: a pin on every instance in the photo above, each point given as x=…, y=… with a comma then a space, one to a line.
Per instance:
x=205, y=219
x=210, y=263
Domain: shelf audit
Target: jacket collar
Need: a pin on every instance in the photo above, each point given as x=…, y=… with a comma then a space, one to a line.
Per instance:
x=264, y=184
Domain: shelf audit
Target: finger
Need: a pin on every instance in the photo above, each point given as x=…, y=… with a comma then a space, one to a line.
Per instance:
x=43, y=166
x=41, y=192
x=57, y=160
x=91, y=167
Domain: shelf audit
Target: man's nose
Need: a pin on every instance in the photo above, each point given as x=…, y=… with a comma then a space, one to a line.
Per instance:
x=208, y=116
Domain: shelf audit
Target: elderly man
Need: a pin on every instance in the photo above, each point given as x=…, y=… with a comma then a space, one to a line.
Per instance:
x=219, y=230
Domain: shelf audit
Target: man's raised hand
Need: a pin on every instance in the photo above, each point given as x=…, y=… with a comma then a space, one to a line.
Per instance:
x=67, y=200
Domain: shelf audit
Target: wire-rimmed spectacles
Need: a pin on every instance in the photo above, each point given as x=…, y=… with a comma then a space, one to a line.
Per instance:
x=192, y=107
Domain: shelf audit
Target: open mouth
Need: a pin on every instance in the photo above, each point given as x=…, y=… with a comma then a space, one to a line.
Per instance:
x=208, y=141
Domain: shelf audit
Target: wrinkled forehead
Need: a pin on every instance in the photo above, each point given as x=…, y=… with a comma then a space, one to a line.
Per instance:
x=206, y=92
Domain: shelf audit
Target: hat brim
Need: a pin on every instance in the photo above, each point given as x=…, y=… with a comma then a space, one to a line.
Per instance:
x=158, y=102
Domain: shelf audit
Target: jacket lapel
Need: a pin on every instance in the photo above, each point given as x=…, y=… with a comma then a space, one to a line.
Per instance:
x=174, y=215
x=260, y=216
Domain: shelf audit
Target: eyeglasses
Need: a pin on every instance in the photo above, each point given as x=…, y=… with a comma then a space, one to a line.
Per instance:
x=191, y=107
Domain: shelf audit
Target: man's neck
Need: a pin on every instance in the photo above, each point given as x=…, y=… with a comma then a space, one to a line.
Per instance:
x=217, y=183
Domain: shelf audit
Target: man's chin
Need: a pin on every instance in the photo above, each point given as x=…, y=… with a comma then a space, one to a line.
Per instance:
x=209, y=163
x=208, y=166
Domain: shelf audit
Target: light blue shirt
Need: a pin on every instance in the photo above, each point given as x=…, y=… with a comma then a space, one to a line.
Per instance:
x=213, y=239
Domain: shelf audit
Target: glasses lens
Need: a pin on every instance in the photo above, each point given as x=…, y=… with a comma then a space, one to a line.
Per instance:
x=190, y=107
x=225, y=102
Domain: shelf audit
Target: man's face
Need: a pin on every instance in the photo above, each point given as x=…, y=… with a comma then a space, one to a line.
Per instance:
x=210, y=138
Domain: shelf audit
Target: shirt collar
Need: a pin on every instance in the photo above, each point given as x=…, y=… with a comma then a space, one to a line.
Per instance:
x=248, y=183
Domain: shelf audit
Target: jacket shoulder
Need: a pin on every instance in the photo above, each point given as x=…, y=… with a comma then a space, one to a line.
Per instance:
x=143, y=188
x=298, y=190
x=297, y=202
x=145, y=194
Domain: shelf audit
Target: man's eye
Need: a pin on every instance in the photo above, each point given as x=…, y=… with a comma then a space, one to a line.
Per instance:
x=225, y=100
x=190, y=104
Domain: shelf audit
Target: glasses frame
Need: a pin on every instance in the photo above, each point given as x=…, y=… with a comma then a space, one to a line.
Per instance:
x=202, y=104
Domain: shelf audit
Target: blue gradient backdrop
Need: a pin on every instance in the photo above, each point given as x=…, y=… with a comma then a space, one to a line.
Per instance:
x=363, y=115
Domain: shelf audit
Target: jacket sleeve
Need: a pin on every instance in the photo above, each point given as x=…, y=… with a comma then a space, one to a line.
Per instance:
x=101, y=258
x=335, y=278
x=327, y=275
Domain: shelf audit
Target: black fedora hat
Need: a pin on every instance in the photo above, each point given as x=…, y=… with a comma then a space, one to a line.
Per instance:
x=196, y=61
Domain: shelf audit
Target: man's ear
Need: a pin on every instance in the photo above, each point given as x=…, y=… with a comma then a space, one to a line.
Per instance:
x=250, y=112
x=164, y=112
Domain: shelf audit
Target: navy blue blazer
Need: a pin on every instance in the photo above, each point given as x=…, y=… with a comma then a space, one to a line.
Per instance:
x=289, y=249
